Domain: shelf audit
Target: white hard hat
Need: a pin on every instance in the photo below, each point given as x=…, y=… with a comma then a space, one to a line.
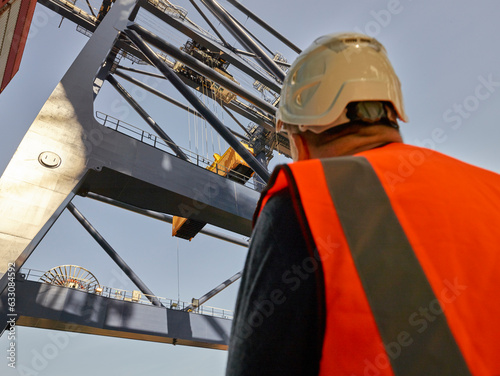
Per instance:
x=335, y=70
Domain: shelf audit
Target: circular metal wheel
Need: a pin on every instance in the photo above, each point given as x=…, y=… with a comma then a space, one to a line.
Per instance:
x=71, y=276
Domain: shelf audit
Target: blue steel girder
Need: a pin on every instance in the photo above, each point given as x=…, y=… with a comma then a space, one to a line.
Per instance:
x=225, y=53
x=61, y=308
x=67, y=152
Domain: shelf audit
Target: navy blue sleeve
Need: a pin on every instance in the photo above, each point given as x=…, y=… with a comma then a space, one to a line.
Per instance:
x=276, y=329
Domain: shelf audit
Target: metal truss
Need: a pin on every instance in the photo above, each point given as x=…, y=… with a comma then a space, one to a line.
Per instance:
x=68, y=152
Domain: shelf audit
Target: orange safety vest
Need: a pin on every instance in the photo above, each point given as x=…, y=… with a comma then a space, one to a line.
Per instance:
x=409, y=243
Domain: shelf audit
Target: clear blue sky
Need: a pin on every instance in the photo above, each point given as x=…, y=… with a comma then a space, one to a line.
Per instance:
x=447, y=57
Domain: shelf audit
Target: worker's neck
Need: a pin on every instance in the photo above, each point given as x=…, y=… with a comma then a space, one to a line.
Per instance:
x=310, y=145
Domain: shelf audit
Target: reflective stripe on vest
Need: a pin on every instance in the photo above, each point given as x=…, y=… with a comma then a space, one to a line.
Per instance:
x=392, y=278
x=449, y=213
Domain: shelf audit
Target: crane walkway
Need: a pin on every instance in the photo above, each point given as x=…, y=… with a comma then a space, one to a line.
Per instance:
x=163, y=145
x=61, y=308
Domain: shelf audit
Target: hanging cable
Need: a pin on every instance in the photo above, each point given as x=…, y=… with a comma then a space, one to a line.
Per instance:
x=178, y=275
x=196, y=135
x=206, y=140
x=218, y=136
x=218, y=141
x=216, y=105
x=205, y=122
x=207, y=20
x=189, y=128
x=212, y=135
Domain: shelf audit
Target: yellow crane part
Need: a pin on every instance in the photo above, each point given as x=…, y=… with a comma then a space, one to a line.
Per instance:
x=229, y=164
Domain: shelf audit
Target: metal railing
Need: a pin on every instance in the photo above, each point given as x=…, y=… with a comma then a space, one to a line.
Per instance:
x=160, y=144
x=169, y=8
x=180, y=13
x=78, y=11
x=137, y=297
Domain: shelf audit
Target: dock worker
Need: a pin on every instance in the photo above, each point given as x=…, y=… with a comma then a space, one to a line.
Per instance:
x=368, y=256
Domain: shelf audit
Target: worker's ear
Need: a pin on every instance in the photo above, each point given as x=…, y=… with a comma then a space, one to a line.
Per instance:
x=298, y=147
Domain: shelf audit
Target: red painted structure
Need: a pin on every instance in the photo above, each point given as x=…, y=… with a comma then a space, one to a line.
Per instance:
x=15, y=21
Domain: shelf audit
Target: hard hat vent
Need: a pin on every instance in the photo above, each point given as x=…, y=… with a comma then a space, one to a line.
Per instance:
x=357, y=40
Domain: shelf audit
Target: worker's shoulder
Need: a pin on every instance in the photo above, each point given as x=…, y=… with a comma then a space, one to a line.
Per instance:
x=277, y=223
x=421, y=169
x=279, y=203
x=410, y=156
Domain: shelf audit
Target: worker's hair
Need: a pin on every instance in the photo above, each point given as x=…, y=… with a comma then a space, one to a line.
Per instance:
x=358, y=114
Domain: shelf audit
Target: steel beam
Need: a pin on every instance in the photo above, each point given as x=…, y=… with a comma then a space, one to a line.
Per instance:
x=154, y=180
x=34, y=190
x=158, y=93
x=198, y=105
x=40, y=305
x=265, y=61
x=262, y=23
x=236, y=120
x=90, y=8
x=66, y=152
x=165, y=218
x=113, y=254
x=252, y=36
x=148, y=119
x=235, y=105
x=130, y=49
x=155, y=75
x=246, y=53
x=209, y=295
x=250, y=113
x=84, y=20
x=202, y=14
x=225, y=53
x=104, y=71
x=259, y=183
x=168, y=99
x=201, y=68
